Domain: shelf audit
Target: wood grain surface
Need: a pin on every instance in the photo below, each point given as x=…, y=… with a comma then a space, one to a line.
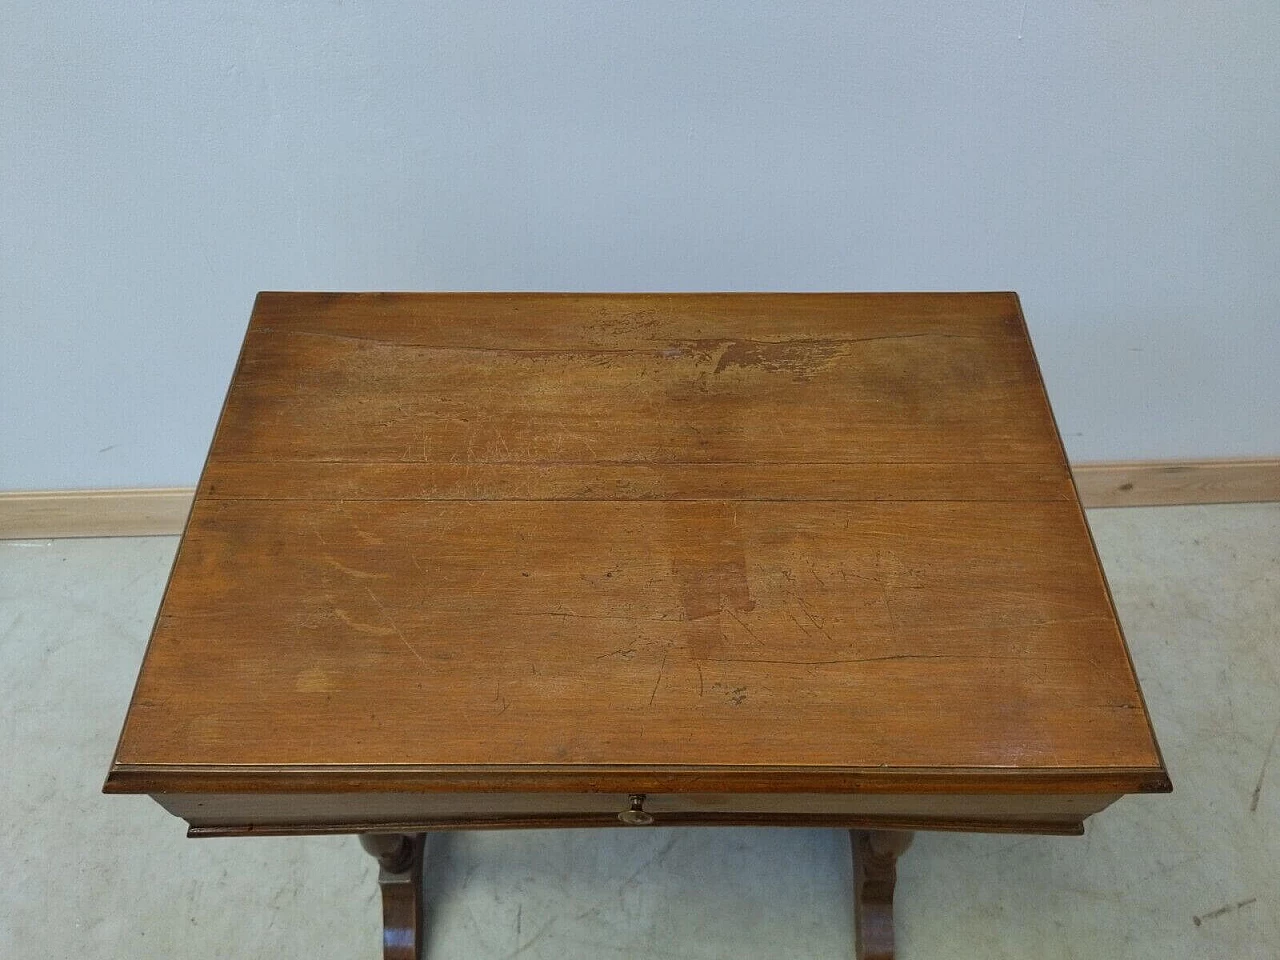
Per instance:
x=819, y=540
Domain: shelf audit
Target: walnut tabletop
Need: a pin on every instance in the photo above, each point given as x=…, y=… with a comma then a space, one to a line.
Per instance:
x=709, y=544
x=511, y=560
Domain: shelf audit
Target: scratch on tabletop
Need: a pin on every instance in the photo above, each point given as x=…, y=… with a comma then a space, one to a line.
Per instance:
x=819, y=623
x=359, y=627
x=351, y=572
x=888, y=607
x=813, y=569
x=394, y=626
x=792, y=617
x=742, y=624
x=657, y=683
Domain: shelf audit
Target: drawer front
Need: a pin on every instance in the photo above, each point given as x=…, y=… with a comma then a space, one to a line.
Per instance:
x=211, y=814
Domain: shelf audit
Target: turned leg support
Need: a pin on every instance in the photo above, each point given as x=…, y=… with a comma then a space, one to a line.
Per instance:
x=399, y=857
x=875, y=872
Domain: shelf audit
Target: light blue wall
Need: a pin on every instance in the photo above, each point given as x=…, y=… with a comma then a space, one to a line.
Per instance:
x=1115, y=161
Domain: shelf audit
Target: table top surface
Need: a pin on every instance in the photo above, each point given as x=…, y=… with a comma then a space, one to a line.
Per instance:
x=790, y=542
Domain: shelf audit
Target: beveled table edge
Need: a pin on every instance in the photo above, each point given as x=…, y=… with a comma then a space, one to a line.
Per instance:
x=1059, y=828
x=632, y=778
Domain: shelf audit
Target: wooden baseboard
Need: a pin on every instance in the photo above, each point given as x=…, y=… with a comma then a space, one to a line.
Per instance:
x=39, y=515
x=1167, y=483
x=120, y=512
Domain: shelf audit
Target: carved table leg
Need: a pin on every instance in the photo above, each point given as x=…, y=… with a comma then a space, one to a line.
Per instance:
x=399, y=857
x=875, y=872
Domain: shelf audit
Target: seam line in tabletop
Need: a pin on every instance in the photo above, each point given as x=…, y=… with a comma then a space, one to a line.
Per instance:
x=555, y=348
x=637, y=499
x=654, y=464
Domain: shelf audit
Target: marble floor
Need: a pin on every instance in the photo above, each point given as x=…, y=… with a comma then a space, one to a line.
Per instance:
x=1195, y=874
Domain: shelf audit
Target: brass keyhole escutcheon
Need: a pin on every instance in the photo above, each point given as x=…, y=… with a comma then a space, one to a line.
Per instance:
x=636, y=816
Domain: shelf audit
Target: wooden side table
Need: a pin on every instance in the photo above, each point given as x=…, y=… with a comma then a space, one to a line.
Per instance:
x=472, y=561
